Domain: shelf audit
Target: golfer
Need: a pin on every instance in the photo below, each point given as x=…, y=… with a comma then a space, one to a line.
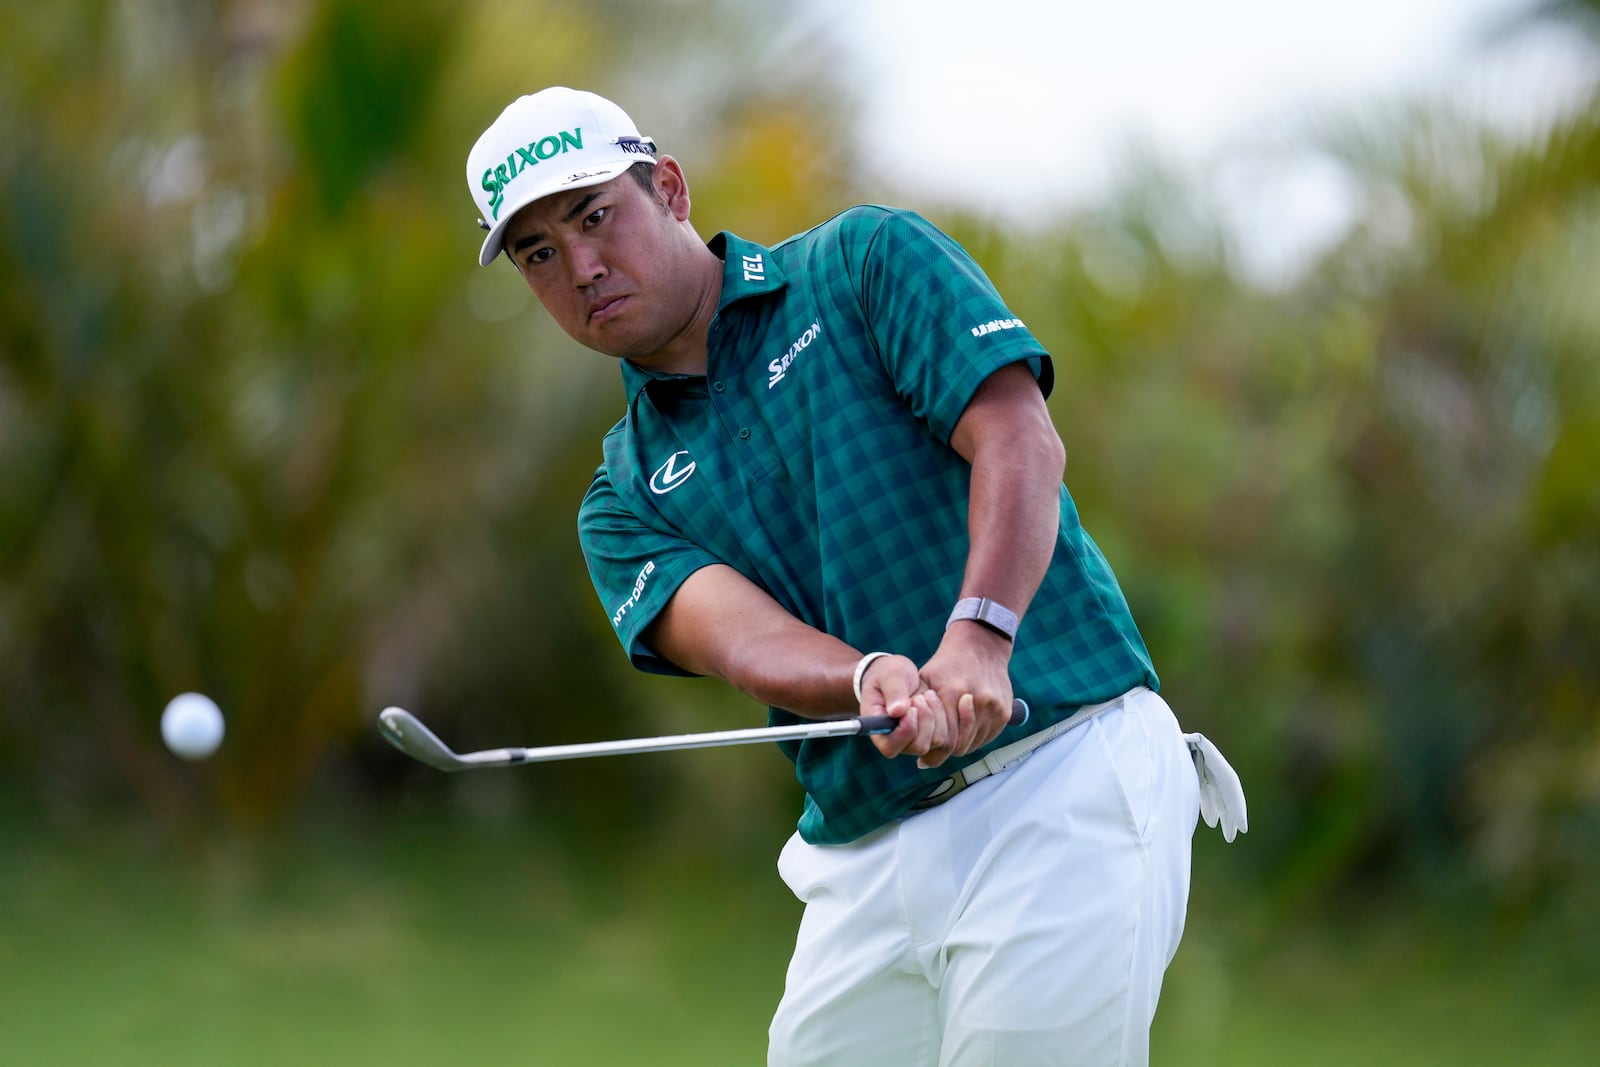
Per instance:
x=836, y=485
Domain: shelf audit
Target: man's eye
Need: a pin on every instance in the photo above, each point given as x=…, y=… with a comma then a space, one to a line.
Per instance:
x=595, y=216
x=541, y=254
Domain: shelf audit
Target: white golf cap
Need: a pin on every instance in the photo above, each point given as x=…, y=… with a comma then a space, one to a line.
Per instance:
x=555, y=139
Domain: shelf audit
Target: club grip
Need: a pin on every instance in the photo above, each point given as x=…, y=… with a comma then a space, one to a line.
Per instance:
x=884, y=724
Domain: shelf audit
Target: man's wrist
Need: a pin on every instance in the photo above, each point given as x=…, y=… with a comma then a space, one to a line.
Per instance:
x=861, y=671
x=986, y=613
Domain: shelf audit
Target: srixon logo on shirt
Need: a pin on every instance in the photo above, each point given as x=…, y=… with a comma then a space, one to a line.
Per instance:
x=780, y=366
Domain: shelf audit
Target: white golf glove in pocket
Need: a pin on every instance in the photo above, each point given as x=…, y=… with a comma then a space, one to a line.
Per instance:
x=1221, y=793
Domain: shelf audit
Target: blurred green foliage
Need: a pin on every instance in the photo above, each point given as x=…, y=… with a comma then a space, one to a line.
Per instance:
x=268, y=433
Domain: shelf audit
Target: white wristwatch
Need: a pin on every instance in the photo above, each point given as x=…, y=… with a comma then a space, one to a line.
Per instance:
x=985, y=612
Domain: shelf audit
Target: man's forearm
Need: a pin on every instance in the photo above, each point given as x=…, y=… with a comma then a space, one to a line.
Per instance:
x=1013, y=517
x=1014, y=502
x=800, y=670
x=720, y=624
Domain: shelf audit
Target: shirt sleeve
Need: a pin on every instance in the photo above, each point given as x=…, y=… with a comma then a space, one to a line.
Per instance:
x=634, y=567
x=939, y=324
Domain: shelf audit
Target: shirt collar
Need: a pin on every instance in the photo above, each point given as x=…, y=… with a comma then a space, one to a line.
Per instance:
x=748, y=269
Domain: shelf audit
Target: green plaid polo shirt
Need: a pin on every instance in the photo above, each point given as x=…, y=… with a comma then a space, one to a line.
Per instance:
x=813, y=458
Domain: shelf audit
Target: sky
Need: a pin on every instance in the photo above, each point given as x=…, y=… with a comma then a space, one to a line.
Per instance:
x=1054, y=98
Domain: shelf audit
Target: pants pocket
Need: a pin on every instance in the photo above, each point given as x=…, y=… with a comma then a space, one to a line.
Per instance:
x=1125, y=738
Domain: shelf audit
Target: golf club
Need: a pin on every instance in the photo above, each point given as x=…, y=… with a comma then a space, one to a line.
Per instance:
x=407, y=733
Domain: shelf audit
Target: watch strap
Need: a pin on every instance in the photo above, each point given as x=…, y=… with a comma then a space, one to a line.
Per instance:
x=985, y=612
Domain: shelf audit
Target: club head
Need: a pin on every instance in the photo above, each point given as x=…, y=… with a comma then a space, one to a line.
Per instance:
x=402, y=730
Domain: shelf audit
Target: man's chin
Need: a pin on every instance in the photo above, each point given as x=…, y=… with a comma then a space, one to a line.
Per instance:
x=614, y=340
x=621, y=348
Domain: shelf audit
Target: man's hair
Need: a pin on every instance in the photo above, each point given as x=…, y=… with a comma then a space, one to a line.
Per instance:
x=644, y=173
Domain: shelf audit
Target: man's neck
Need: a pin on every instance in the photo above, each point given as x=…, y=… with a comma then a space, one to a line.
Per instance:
x=686, y=352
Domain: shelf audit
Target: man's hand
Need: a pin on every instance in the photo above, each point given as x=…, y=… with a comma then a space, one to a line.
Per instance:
x=892, y=686
x=967, y=686
x=958, y=702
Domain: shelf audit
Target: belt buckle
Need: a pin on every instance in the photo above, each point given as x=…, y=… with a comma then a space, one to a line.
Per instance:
x=942, y=791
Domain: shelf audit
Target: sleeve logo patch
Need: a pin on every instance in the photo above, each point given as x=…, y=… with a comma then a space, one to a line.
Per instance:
x=996, y=325
x=638, y=591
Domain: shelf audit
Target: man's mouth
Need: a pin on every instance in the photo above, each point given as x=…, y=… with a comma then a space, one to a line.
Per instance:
x=605, y=307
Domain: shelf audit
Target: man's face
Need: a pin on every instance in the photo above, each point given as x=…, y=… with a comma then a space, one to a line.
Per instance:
x=612, y=264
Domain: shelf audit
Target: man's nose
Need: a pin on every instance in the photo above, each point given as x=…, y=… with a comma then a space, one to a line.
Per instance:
x=588, y=266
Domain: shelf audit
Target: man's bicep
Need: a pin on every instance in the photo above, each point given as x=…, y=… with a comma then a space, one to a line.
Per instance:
x=1008, y=408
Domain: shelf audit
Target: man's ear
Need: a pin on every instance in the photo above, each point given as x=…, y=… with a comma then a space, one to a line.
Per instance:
x=672, y=187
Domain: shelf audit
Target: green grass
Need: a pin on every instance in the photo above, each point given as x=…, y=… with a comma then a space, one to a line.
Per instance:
x=443, y=948
x=1388, y=991
x=415, y=952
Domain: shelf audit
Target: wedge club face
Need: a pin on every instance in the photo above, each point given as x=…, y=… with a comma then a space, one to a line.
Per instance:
x=403, y=730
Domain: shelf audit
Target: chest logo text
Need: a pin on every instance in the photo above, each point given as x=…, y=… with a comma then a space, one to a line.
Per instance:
x=780, y=366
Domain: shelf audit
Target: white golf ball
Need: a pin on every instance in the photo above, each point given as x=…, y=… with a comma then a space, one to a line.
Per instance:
x=191, y=726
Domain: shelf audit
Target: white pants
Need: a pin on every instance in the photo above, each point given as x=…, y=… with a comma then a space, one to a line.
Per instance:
x=1028, y=921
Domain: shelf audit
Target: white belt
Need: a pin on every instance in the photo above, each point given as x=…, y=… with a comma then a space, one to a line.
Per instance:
x=1004, y=757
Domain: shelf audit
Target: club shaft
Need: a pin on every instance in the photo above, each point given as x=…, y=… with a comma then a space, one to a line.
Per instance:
x=501, y=757
x=805, y=731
